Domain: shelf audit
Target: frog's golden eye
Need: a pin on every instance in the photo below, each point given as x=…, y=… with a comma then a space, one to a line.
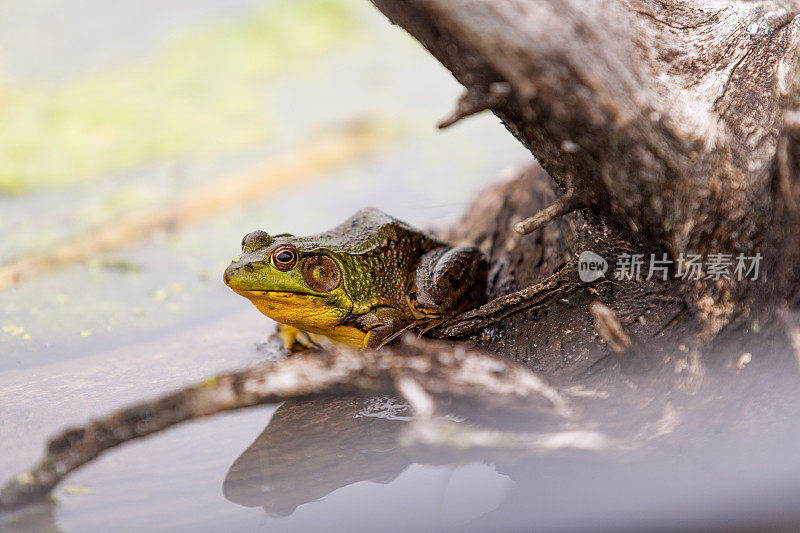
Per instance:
x=284, y=257
x=321, y=273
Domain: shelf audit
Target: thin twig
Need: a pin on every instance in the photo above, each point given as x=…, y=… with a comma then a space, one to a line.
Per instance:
x=550, y=290
x=477, y=99
x=568, y=203
x=610, y=328
x=428, y=429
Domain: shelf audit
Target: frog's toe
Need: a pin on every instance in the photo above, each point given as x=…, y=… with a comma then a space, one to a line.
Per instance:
x=296, y=340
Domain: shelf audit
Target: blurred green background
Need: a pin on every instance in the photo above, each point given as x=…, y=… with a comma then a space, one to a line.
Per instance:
x=201, y=91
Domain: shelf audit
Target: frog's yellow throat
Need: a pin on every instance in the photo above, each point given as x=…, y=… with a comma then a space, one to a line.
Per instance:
x=305, y=312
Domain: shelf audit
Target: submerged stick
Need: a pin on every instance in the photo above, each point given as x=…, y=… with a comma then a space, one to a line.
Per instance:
x=439, y=368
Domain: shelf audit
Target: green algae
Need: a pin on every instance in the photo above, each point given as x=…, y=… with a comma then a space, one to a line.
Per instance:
x=204, y=93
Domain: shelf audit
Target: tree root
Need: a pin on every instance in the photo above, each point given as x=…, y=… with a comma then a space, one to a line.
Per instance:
x=436, y=368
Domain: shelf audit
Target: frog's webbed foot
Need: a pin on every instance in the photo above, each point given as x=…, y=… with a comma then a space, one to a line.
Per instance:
x=296, y=340
x=448, y=280
x=382, y=325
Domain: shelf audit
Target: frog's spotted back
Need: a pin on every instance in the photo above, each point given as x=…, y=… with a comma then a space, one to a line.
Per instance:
x=365, y=231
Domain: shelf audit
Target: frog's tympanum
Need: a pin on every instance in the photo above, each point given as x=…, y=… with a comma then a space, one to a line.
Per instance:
x=360, y=282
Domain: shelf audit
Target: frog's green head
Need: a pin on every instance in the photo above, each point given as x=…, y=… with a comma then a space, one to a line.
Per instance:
x=293, y=283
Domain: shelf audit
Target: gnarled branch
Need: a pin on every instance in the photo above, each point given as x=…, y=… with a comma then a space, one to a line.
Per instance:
x=440, y=369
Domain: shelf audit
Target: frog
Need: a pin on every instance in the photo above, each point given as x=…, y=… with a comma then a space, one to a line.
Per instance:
x=361, y=283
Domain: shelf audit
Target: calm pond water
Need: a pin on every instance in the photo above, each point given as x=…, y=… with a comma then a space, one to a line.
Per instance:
x=343, y=465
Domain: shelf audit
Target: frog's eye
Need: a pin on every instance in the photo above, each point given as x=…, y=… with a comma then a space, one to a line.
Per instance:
x=284, y=257
x=244, y=240
x=321, y=273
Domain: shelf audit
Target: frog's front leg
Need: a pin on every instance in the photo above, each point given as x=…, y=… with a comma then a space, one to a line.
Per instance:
x=380, y=324
x=296, y=340
x=447, y=281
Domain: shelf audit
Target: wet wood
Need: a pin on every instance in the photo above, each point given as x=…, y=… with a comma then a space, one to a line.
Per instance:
x=670, y=115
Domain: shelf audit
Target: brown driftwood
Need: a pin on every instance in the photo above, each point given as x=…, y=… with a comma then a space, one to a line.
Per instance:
x=673, y=120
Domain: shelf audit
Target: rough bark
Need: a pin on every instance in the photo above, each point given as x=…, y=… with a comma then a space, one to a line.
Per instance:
x=539, y=310
x=673, y=120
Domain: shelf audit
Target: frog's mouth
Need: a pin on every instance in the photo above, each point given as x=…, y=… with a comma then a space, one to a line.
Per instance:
x=307, y=311
x=275, y=294
x=274, y=302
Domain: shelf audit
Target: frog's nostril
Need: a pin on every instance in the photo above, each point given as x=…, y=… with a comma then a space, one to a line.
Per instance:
x=235, y=268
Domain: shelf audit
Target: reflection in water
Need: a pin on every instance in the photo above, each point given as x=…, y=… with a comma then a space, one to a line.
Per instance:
x=39, y=518
x=311, y=448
